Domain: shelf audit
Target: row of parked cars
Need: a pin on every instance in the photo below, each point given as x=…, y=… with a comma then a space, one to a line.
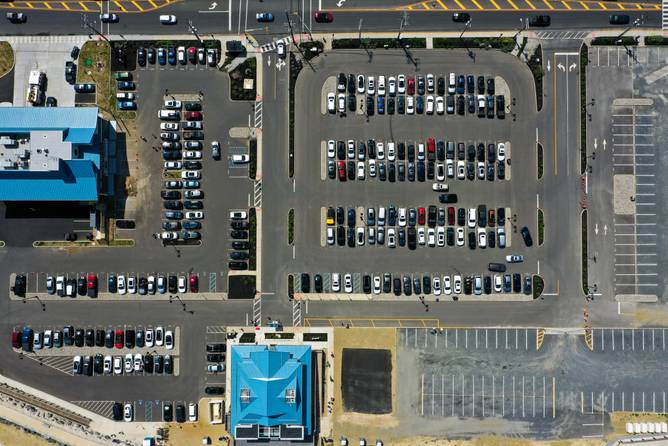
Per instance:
x=421, y=284
x=29, y=340
x=153, y=284
x=170, y=412
x=428, y=161
x=148, y=364
x=239, y=233
x=182, y=209
x=425, y=226
x=418, y=95
x=181, y=54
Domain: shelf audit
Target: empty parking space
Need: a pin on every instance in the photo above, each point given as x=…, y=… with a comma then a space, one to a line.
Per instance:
x=469, y=338
x=637, y=340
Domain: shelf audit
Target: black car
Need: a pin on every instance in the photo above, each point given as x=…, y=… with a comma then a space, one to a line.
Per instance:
x=170, y=195
x=351, y=170
x=171, y=155
x=172, y=284
x=117, y=411
x=450, y=104
x=237, y=266
x=460, y=17
x=109, y=339
x=141, y=56
x=517, y=283
x=471, y=104
x=167, y=412
x=390, y=106
x=447, y=198
x=412, y=239
x=192, y=106
x=214, y=390
x=215, y=348
x=526, y=235
x=401, y=105
x=169, y=365
x=417, y=286
x=98, y=365
x=19, y=287
x=619, y=19
x=397, y=286
x=527, y=284
x=501, y=170
x=87, y=365
x=352, y=103
x=351, y=84
x=172, y=205
x=139, y=339
x=450, y=236
x=468, y=284
x=470, y=171
x=331, y=170
x=193, y=204
x=461, y=104
x=419, y=105
x=129, y=338
x=387, y=283
x=148, y=363
x=317, y=283
x=440, y=86
x=351, y=237
x=369, y=106
x=180, y=413
x=352, y=218
x=408, y=289
x=481, y=84
x=500, y=107
x=151, y=55
x=158, y=364
x=420, y=171
x=191, y=225
x=490, y=106
x=192, y=165
x=470, y=84
x=99, y=338
x=420, y=85
x=491, y=153
x=196, y=134
x=240, y=225
x=340, y=235
x=89, y=337
x=472, y=242
x=540, y=20
x=402, y=172
x=487, y=285
x=17, y=17
x=239, y=235
x=501, y=216
x=391, y=172
x=490, y=86
x=366, y=284
x=426, y=284
x=305, y=283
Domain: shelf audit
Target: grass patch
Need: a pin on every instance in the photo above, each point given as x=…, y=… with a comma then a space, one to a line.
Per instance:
x=247, y=338
x=315, y=337
x=535, y=64
x=295, y=68
x=656, y=40
x=585, y=254
x=539, y=161
x=417, y=42
x=252, y=238
x=584, y=60
x=6, y=58
x=538, y=286
x=311, y=49
x=291, y=226
x=246, y=70
x=541, y=227
x=505, y=44
x=252, y=165
x=613, y=40
x=282, y=335
x=241, y=287
x=95, y=67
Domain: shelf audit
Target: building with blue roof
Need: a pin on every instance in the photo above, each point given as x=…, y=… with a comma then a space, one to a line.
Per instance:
x=49, y=154
x=271, y=393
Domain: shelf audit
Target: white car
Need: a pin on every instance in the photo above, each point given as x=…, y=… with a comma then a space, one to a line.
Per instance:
x=348, y=283
x=168, y=19
x=391, y=154
x=169, y=235
x=381, y=85
x=498, y=286
x=118, y=365
x=431, y=237
x=410, y=105
x=482, y=238
x=331, y=103
x=447, y=285
x=451, y=83
x=351, y=149
x=422, y=239
x=138, y=363
x=182, y=284
x=481, y=104
x=70, y=290
x=191, y=174
x=420, y=152
x=159, y=338
x=331, y=148
x=440, y=236
x=450, y=168
x=439, y=187
x=192, y=154
x=430, y=105
x=342, y=103
x=430, y=83
x=461, y=170
x=181, y=55
x=60, y=285
x=169, y=340
x=148, y=338
x=238, y=215
x=172, y=165
x=330, y=236
x=128, y=412
x=401, y=84
x=215, y=368
x=151, y=285
x=121, y=284
x=380, y=151
x=481, y=170
x=392, y=85
x=372, y=168
x=457, y=286
x=170, y=126
x=106, y=365
x=472, y=218
x=376, y=284
x=336, y=282
x=436, y=286
x=128, y=363
x=360, y=84
x=402, y=217
x=195, y=215
x=132, y=285
x=440, y=105
x=360, y=236
x=280, y=49
x=360, y=170
x=391, y=238
x=509, y=259
x=501, y=237
x=501, y=151
x=192, y=412
x=460, y=236
x=48, y=338
x=371, y=85
x=440, y=172
x=108, y=18
x=173, y=105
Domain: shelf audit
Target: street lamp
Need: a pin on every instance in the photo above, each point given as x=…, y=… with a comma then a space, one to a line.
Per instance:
x=38, y=300
x=193, y=30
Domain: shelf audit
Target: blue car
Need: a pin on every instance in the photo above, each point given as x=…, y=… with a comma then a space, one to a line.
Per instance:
x=171, y=56
x=126, y=105
x=264, y=17
x=381, y=105
x=162, y=56
x=126, y=85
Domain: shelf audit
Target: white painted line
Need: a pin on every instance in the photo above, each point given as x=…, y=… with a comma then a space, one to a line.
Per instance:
x=229, y=17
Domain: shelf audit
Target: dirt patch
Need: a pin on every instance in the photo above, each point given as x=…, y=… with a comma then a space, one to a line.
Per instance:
x=654, y=317
x=366, y=383
x=618, y=421
x=492, y=441
x=12, y=435
x=192, y=433
x=6, y=58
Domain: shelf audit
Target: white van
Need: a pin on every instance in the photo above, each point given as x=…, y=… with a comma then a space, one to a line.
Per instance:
x=192, y=412
x=240, y=159
x=451, y=83
x=168, y=19
x=381, y=216
x=171, y=115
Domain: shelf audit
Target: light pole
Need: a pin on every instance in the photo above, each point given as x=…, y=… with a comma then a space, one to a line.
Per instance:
x=193, y=30
x=38, y=300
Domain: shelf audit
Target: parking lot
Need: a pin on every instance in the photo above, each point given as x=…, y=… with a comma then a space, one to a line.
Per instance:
x=442, y=158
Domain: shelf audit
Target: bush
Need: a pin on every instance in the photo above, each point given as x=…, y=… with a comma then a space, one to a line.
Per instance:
x=252, y=238
x=295, y=68
x=626, y=40
x=291, y=226
x=246, y=70
x=378, y=43
x=538, y=286
x=315, y=337
x=252, y=165
x=541, y=227
x=535, y=64
x=656, y=40
x=584, y=60
x=585, y=273
x=308, y=46
x=539, y=147
x=279, y=335
x=291, y=286
x=505, y=44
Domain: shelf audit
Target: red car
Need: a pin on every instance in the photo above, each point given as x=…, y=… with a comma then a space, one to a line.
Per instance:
x=451, y=215
x=323, y=17
x=431, y=145
x=342, y=170
x=92, y=285
x=120, y=338
x=16, y=339
x=192, y=54
x=194, y=283
x=421, y=216
x=193, y=116
x=491, y=217
x=411, y=85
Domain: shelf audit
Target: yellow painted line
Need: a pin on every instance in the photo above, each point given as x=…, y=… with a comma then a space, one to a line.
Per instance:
x=460, y=5
x=139, y=8
x=122, y=8
x=48, y=5
x=602, y=5
x=566, y=4
x=477, y=4
x=584, y=5
x=153, y=4
x=65, y=5
x=83, y=5
x=620, y=6
x=495, y=4
x=30, y=5
x=548, y=4
x=513, y=4
x=530, y=4
x=442, y=4
x=425, y=6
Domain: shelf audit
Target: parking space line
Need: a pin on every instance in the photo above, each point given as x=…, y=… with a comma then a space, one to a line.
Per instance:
x=473, y=395
x=503, y=396
x=494, y=397
x=466, y=339
x=453, y=395
x=513, y=395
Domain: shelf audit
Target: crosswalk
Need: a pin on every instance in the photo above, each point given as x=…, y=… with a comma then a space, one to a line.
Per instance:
x=562, y=35
x=664, y=15
x=13, y=40
x=257, y=109
x=271, y=46
x=297, y=320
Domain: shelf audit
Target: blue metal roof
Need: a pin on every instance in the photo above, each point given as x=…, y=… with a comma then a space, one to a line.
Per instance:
x=77, y=123
x=75, y=181
x=268, y=374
